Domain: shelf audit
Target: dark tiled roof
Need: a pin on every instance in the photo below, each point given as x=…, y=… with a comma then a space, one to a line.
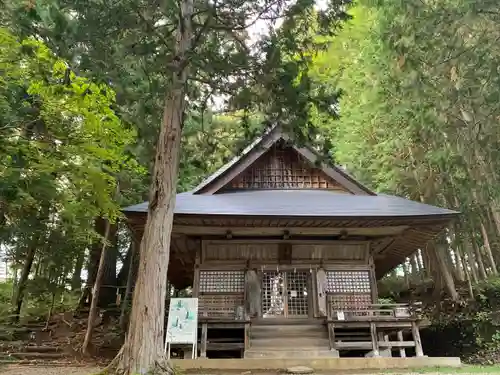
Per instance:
x=300, y=203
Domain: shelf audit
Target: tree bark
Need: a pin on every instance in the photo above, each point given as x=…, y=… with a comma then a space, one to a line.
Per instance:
x=445, y=273
x=95, y=294
x=23, y=279
x=143, y=347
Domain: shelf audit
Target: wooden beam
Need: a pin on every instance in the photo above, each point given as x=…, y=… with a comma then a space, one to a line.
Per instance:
x=293, y=231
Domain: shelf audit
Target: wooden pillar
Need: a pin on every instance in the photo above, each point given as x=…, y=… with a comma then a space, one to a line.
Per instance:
x=373, y=333
x=196, y=277
x=402, y=351
x=204, y=336
x=331, y=335
x=416, y=337
x=373, y=280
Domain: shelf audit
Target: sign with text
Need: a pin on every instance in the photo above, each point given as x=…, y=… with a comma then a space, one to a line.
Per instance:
x=182, y=326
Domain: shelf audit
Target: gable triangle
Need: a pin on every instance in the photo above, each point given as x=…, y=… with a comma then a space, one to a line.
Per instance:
x=273, y=161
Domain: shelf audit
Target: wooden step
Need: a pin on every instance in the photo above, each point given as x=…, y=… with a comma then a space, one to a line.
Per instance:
x=287, y=344
x=297, y=353
x=288, y=331
x=288, y=322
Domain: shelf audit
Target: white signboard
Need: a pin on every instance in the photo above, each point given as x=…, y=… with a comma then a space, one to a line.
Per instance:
x=182, y=326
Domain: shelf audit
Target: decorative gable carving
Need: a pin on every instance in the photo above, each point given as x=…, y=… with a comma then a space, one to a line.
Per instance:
x=282, y=167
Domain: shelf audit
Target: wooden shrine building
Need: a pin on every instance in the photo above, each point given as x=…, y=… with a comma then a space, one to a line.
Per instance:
x=284, y=252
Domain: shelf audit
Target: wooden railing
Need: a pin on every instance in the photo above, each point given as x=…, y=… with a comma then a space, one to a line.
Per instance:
x=381, y=322
x=384, y=311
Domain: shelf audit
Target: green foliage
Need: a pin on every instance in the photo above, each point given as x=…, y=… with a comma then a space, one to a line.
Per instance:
x=62, y=151
x=468, y=330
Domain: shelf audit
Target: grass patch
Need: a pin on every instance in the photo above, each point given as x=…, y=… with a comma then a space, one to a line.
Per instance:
x=465, y=369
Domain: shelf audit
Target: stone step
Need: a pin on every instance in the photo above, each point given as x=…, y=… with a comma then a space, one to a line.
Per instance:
x=302, y=353
x=286, y=344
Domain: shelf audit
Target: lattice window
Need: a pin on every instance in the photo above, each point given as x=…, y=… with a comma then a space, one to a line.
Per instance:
x=273, y=294
x=222, y=282
x=350, y=302
x=285, y=293
x=297, y=288
x=348, y=281
x=283, y=168
x=219, y=306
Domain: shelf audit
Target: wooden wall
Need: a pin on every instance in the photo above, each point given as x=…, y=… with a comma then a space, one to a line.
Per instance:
x=283, y=168
x=219, y=280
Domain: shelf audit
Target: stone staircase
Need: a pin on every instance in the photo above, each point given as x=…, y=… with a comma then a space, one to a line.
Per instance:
x=302, y=340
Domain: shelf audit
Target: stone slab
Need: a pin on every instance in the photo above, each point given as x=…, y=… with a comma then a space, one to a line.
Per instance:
x=317, y=364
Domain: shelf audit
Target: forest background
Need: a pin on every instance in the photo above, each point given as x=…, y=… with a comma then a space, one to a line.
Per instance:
x=404, y=95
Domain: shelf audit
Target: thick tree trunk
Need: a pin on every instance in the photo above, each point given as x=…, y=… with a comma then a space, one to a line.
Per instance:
x=95, y=294
x=447, y=277
x=143, y=346
x=23, y=279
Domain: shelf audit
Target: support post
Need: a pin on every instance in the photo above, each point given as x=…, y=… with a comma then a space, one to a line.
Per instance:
x=331, y=338
x=416, y=337
x=247, y=336
x=204, y=335
x=402, y=351
x=373, y=333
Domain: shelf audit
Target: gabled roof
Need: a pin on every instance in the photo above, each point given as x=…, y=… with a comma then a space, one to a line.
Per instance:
x=261, y=145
